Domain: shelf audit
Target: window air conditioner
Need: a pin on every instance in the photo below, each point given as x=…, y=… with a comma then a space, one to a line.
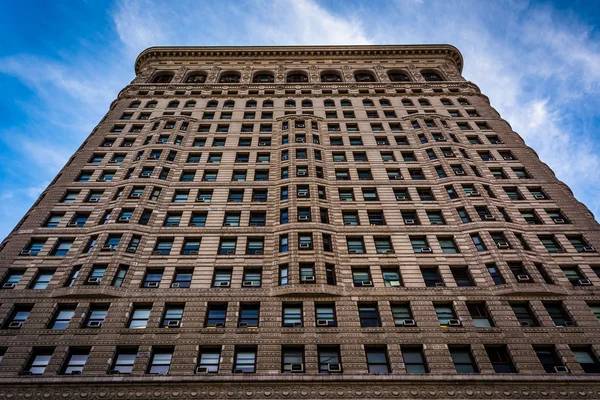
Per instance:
x=172, y=324
x=426, y=250
x=409, y=322
x=523, y=278
x=9, y=286
x=453, y=322
x=94, y=281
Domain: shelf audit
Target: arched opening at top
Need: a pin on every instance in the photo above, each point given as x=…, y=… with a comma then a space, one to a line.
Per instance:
x=163, y=77
x=230, y=77
x=173, y=104
x=307, y=103
x=297, y=77
x=196, y=77
x=263, y=77
x=135, y=104
x=290, y=103
x=398, y=76
x=190, y=104
x=364, y=76
x=432, y=76
x=331, y=77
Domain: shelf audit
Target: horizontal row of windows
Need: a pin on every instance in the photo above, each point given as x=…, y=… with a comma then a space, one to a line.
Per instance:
x=255, y=245
x=299, y=76
x=306, y=103
x=327, y=359
x=293, y=315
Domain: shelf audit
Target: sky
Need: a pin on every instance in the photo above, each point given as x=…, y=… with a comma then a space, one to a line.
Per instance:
x=63, y=62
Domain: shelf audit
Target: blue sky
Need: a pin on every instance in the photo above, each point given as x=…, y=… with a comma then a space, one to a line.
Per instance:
x=63, y=62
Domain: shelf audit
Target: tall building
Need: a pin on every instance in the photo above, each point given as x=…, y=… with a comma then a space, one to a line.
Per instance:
x=302, y=222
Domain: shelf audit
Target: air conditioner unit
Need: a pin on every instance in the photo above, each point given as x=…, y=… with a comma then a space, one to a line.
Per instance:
x=175, y=285
x=297, y=324
x=560, y=369
x=248, y=283
x=305, y=245
x=334, y=367
x=525, y=323
x=366, y=283
x=381, y=142
x=523, y=278
x=101, y=180
x=303, y=218
x=570, y=323
x=395, y=283
x=230, y=252
x=409, y=322
x=172, y=324
x=558, y=220
x=220, y=325
x=539, y=197
x=589, y=249
x=489, y=218
x=107, y=247
x=453, y=322
x=202, y=370
x=172, y=224
x=584, y=282
x=426, y=250
x=9, y=286
x=72, y=224
x=503, y=245
x=559, y=250
x=308, y=278
x=124, y=219
x=350, y=223
x=135, y=195
x=192, y=253
x=439, y=284
x=293, y=367
x=107, y=145
x=410, y=222
x=223, y=284
x=441, y=139
x=450, y=155
x=243, y=325
x=258, y=252
x=131, y=250
x=301, y=173
x=396, y=177
x=388, y=251
x=300, y=140
x=508, y=157
x=127, y=144
x=238, y=371
x=474, y=194
x=401, y=198
x=152, y=284
x=94, y=200
x=94, y=281
x=302, y=194
x=75, y=373
x=459, y=172
x=25, y=253
x=324, y=322
x=145, y=175
x=437, y=222
x=112, y=161
x=352, y=251
x=94, y=324
x=15, y=325
x=156, y=253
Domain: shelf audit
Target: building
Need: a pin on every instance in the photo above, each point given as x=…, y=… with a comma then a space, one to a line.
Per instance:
x=302, y=222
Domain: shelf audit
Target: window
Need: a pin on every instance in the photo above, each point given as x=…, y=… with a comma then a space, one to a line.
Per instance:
x=330, y=274
x=462, y=277
x=448, y=245
x=445, y=314
x=140, y=316
x=463, y=360
x=259, y=195
x=414, y=360
x=500, y=359
x=152, y=278
x=283, y=243
x=42, y=280
x=96, y=275
x=227, y=246
x=419, y=244
x=480, y=315
x=402, y=314
x=182, y=278
x=549, y=359
x=369, y=315
x=586, y=358
x=361, y=277
x=575, y=276
x=329, y=359
x=160, y=361
x=124, y=360
x=550, y=243
x=249, y=315
x=76, y=361
x=325, y=314
x=96, y=315
x=255, y=245
x=222, y=277
x=495, y=274
x=244, y=360
x=580, y=244
x=558, y=314
x=383, y=244
x=236, y=196
x=355, y=245
x=62, y=317
x=12, y=279
x=61, y=248
x=524, y=314
x=209, y=359
x=292, y=359
x=18, y=316
x=39, y=360
x=120, y=276
x=252, y=277
x=305, y=241
x=215, y=315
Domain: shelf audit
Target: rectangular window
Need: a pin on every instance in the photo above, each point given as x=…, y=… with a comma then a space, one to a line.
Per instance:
x=292, y=359
x=160, y=361
x=495, y=274
x=120, y=276
x=500, y=359
x=62, y=317
x=414, y=359
x=431, y=276
x=558, y=314
x=524, y=314
x=292, y=315
x=329, y=359
x=244, y=360
x=369, y=315
x=402, y=314
x=96, y=316
x=76, y=361
x=586, y=358
x=209, y=360
x=124, y=360
x=215, y=315
x=152, y=278
x=549, y=359
x=362, y=277
x=227, y=246
x=249, y=315
x=463, y=360
x=140, y=316
x=446, y=315
x=480, y=315
x=39, y=360
x=222, y=278
x=252, y=277
x=42, y=280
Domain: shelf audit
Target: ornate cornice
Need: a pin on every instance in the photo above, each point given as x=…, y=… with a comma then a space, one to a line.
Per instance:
x=301, y=52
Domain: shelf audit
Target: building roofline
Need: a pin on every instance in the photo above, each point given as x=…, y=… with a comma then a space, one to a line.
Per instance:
x=182, y=52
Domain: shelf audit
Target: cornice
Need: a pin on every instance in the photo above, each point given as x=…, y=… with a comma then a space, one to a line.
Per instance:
x=277, y=52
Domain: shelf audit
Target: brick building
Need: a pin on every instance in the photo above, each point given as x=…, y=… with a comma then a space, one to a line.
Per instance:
x=302, y=222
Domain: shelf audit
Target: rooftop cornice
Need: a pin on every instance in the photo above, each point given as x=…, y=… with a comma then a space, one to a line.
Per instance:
x=241, y=52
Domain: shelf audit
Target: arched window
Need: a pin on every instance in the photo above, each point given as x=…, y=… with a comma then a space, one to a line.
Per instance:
x=263, y=77
x=173, y=104
x=328, y=103
x=268, y=103
x=330, y=77
x=297, y=77
x=407, y=103
x=151, y=104
x=307, y=103
x=230, y=77
x=432, y=76
x=424, y=102
x=135, y=104
x=251, y=104
x=163, y=77
x=290, y=103
x=212, y=104
x=464, y=102
x=397, y=76
x=446, y=102
x=190, y=104
x=196, y=78
x=385, y=103
x=229, y=104
x=364, y=77
x=368, y=103
x=345, y=103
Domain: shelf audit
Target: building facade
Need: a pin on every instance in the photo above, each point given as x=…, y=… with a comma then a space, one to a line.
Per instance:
x=302, y=222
